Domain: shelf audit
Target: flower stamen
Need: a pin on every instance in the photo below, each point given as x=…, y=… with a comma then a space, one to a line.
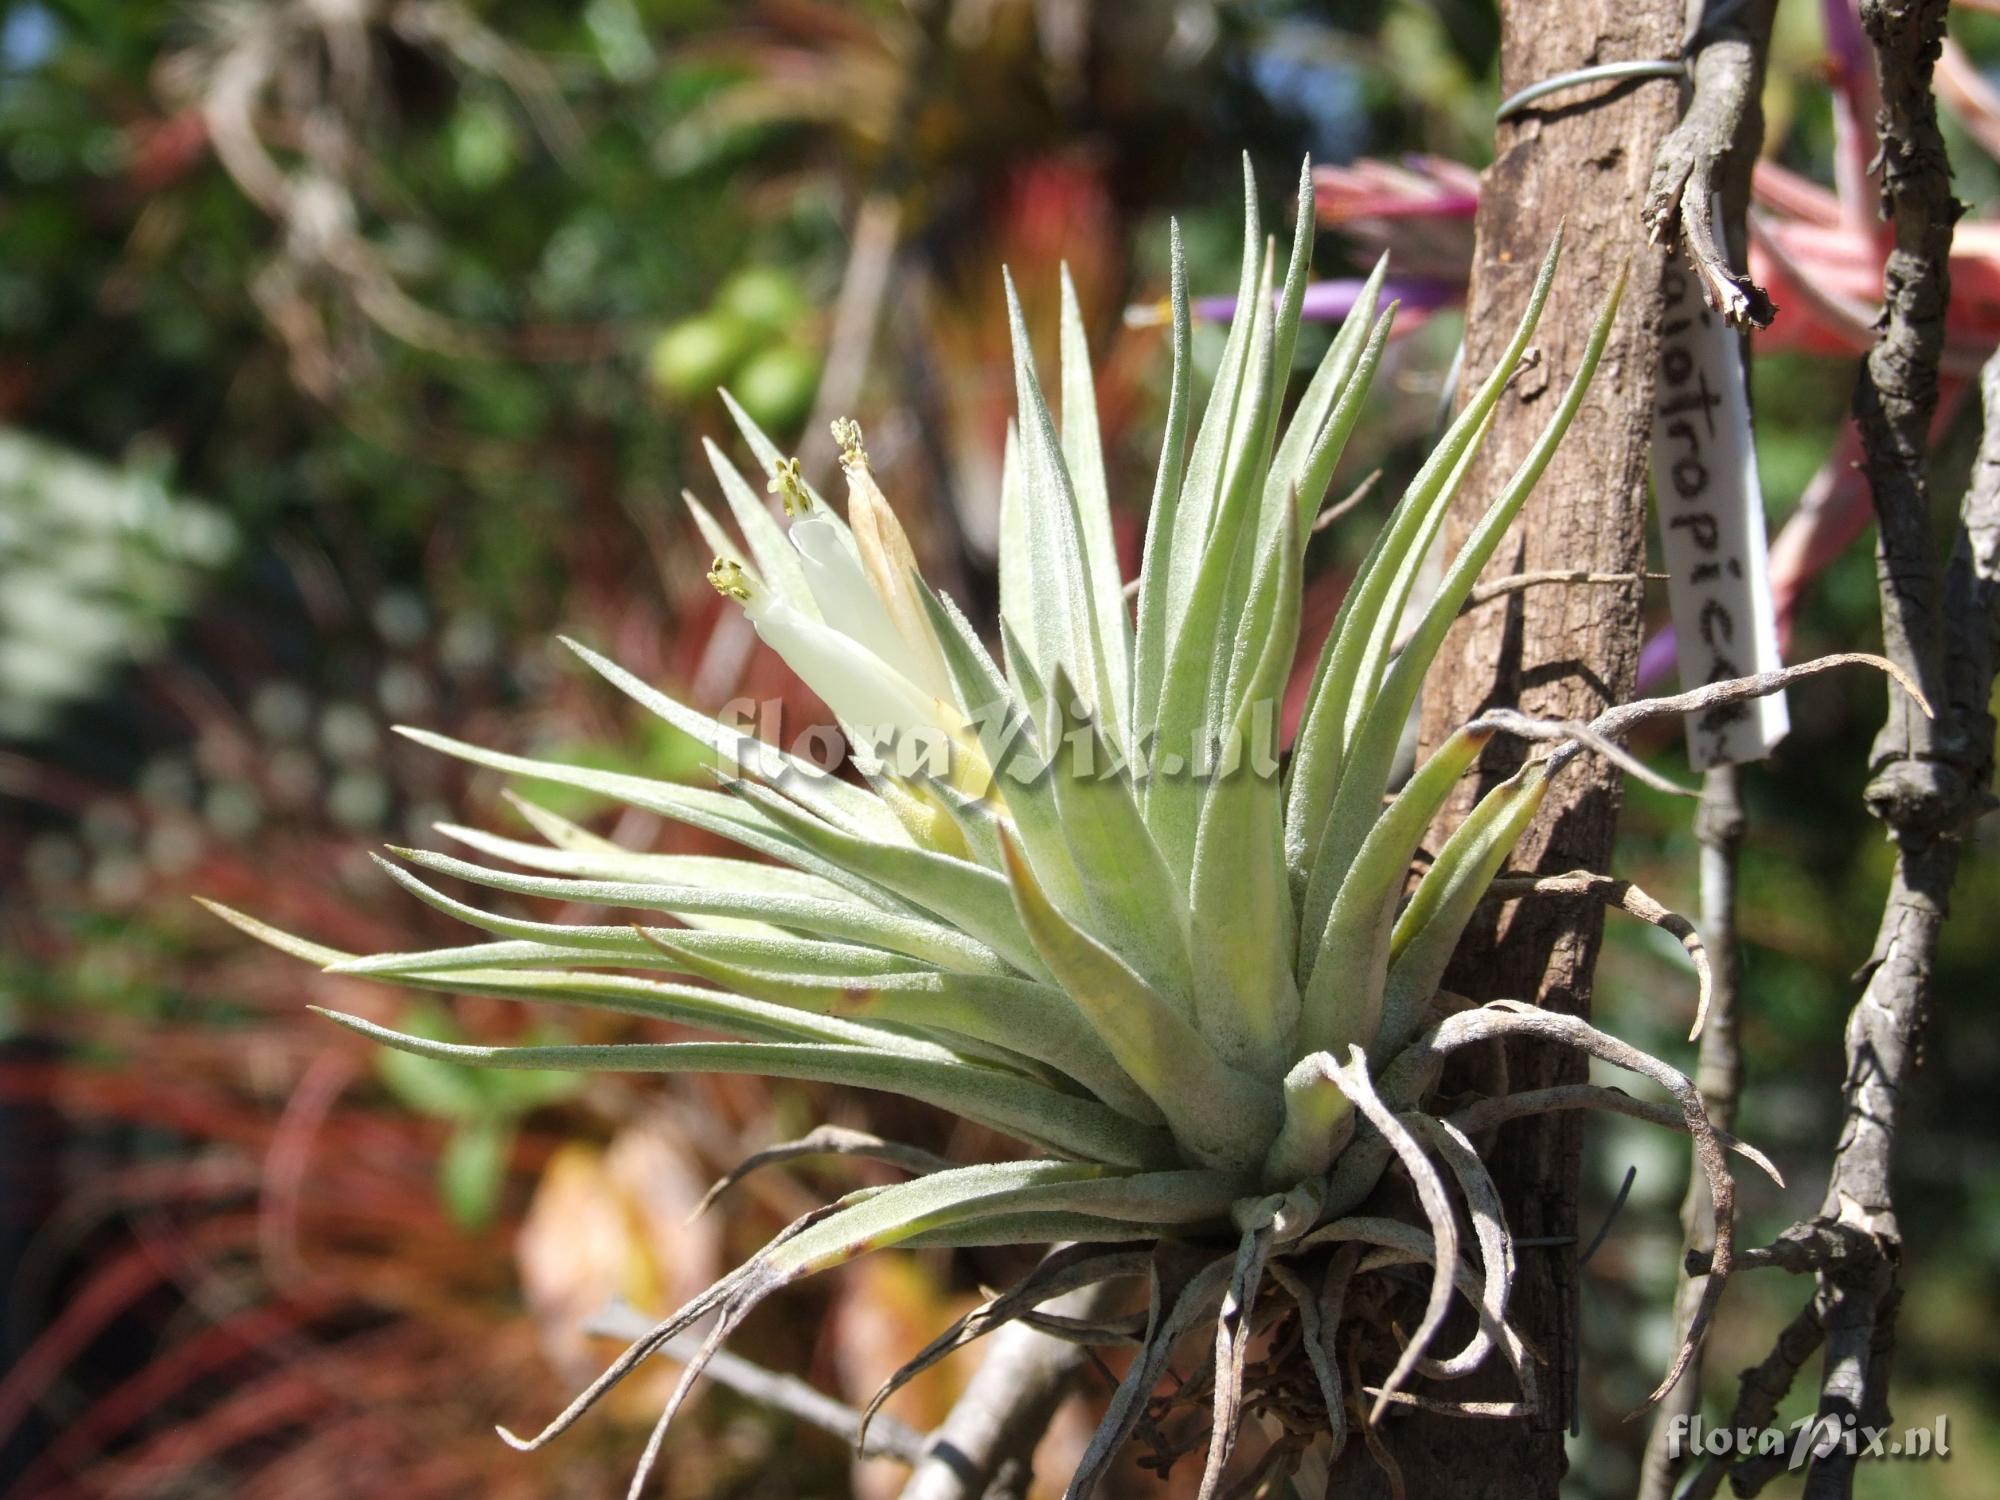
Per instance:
x=847, y=435
x=789, y=485
x=729, y=580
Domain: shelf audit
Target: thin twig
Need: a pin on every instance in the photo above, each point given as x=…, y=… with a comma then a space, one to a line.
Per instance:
x=1812, y=1246
x=857, y=312
x=1762, y=1387
x=887, y=1437
x=1494, y=588
x=1514, y=583
x=1341, y=507
x=1720, y=827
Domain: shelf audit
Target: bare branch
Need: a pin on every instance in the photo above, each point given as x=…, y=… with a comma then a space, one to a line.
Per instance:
x=1720, y=827
x=989, y=1438
x=1628, y=716
x=1931, y=773
x=1762, y=1387
x=1495, y=588
x=1513, y=583
x=886, y=1436
x=1709, y=153
x=1896, y=399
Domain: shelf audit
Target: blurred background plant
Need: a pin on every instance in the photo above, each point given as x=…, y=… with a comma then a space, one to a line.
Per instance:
x=349, y=349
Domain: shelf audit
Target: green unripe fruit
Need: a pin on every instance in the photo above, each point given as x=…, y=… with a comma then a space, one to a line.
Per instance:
x=776, y=385
x=764, y=297
x=697, y=354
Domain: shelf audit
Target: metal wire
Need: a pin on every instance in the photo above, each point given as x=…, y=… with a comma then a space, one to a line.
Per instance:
x=1597, y=73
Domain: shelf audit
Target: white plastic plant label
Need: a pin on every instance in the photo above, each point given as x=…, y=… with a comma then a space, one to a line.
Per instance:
x=1712, y=527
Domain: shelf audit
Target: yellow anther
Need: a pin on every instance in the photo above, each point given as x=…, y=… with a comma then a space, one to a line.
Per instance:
x=728, y=578
x=790, y=485
x=847, y=434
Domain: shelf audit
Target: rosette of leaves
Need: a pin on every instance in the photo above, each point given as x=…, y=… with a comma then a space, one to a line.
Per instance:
x=1078, y=898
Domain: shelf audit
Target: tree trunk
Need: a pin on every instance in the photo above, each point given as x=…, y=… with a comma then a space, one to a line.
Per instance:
x=1579, y=159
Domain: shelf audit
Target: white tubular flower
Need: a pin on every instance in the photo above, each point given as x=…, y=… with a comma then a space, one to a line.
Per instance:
x=890, y=562
x=855, y=682
x=847, y=598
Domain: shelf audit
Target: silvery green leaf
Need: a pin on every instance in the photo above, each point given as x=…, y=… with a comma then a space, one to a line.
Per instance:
x=1429, y=928
x=1157, y=607
x=963, y=1196
x=1313, y=442
x=1002, y=1101
x=317, y=954
x=730, y=1014
x=1017, y=577
x=709, y=871
x=1345, y=965
x=1285, y=328
x=1008, y=738
x=1193, y=713
x=1138, y=907
x=1221, y=1117
x=830, y=963
x=1019, y=1017
x=1246, y=1001
x=712, y=812
x=1061, y=611
x=738, y=1016
x=1160, y=1198
x=1034, y=1229
x=1357, y=649
x=507, y=953
x=846, y=805
x=1319, y=1122
x=1380, y=721
x=1254, y=517
x=1202, y=489
x=851, y=921
x=1083, y=456
x=964, y=895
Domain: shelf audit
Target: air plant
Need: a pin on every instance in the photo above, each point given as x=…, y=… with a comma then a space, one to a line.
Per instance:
x=1078, y=897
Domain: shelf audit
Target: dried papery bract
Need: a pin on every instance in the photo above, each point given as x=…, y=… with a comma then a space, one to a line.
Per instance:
x=1193, y=988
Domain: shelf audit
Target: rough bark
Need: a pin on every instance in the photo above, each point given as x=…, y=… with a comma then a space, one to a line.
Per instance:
x=1583, y=161
x=1931, y=774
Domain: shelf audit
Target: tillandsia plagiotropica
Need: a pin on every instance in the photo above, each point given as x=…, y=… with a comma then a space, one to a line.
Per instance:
x=1077, y=896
